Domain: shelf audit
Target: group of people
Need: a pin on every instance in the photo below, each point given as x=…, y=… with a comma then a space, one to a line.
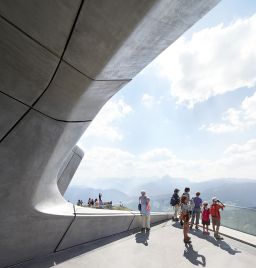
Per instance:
x=188, y=210
x=97, y=203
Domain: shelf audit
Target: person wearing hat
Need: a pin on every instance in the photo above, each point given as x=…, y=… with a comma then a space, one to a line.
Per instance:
x=144, y=201
x=215, y=213
x=206, y=217
x=175, y=203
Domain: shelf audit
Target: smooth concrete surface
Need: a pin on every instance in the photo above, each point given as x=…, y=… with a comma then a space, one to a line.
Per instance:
x=136, y=33
x=34, y=215
x=101, y=40
x=237, y=235
x=98, y=223
x=242, y=237
x=10, y=113
x=87, y=228
x=49, y=22
x=26, y=67
x=74, y=97
x=162, y=247
x=69, y=168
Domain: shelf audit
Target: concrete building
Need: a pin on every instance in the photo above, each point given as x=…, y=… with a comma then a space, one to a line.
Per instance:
x=60, y=61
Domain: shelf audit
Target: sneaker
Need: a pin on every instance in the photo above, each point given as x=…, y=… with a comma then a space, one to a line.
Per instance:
x=197, y=227
x=208, y=233
x=219, y=237
x=147, y=229
x=204, y=232
x=187, y=241
x=191, y=227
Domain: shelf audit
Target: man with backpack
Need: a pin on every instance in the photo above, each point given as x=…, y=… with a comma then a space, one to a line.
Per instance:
x=175, y=203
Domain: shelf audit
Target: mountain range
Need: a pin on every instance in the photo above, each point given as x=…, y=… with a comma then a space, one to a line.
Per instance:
x=239, y=192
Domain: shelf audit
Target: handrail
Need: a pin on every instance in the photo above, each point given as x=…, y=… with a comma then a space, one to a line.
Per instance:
x=227, y=205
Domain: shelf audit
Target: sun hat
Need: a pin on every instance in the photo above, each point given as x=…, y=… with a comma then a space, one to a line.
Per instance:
x=214, y=199
x=205, y=203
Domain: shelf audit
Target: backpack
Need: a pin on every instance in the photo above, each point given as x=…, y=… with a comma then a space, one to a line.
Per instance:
x=173, y=201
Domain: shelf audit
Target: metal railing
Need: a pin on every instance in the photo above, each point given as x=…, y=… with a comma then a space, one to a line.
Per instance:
x=242, y=219
x=239, y=218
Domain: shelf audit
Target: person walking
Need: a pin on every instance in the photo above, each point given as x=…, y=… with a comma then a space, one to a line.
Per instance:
x=185, y=216
x=144, y=200
x=215, y=213
x=175, y=203
x=197, y=203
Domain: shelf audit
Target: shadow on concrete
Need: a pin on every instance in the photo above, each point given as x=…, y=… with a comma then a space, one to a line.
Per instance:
x=75, y=251
x=193, y=256
x=142, y=237
x=177, y=225
x=64, y=255
x=218, y=243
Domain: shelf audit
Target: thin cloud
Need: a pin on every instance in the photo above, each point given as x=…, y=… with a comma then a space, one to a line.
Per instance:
x=214, y=61
x=234, y=120
x=237, y=160
x=147, y=100
x=106, y=122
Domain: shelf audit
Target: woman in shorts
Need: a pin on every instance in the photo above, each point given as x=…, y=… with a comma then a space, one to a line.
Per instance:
x=185, y=216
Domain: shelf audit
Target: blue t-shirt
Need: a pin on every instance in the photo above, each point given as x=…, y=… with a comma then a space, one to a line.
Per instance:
x=197, y=202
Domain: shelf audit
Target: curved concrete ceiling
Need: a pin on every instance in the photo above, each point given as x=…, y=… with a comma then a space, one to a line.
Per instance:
x=60, y=61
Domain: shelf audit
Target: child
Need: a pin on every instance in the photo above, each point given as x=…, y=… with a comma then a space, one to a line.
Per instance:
x=215, y=213
x=205, y=218
x=185, y=215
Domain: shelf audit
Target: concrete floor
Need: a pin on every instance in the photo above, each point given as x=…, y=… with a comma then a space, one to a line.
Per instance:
x=162, y=248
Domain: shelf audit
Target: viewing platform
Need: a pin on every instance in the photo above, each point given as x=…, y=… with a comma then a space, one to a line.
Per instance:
x=162, y=247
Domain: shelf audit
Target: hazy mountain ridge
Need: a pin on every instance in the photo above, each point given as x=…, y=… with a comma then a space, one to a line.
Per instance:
x=240, y=192
x=75, y=192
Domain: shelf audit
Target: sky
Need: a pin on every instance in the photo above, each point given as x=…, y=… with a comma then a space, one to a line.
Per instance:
x=190, y=114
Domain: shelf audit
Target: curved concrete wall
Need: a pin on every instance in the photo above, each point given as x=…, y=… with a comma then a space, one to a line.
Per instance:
x=60, y=61
x=69, y=168
x=90, y=224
